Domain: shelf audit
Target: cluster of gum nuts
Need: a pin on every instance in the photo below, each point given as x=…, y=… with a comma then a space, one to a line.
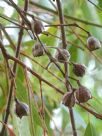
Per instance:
x=81, y=94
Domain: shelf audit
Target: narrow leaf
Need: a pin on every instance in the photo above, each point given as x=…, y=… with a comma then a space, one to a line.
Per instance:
x=90, y=130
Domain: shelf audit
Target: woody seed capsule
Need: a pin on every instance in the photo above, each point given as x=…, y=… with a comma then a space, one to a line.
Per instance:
x=93, y=43
x=38, y=27
x=21, y=109
x=62, y=55
x=68, y=99
x=38, y=50
x=79, y=69
x=83, y=94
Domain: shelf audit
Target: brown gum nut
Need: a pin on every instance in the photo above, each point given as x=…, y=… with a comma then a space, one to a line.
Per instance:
x=62, y=55
x=68, y=99
x=83, y=94
x=93, y=43
x=37, y=50
x=38, y=27
x=79, y=70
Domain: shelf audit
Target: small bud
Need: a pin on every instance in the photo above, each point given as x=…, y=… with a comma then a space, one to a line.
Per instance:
x=93, y=43
x=62, y=55
x=38, y=27
x=79, y=69
x=83, y=94
x=38, y=50
x=69, y=99
x=21, y=109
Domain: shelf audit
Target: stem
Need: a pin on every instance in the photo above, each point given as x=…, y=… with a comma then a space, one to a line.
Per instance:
x=73, y=24
x=72, y=120
x=14, y=71
x=99, y=116
x=61, y=18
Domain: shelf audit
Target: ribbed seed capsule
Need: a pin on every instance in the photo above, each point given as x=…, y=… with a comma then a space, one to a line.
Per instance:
x=79, y=69
x=38, y=27
x=21, y=109
x=83, y=94
x=93, y=43
x=38, y=50
x=68, y=99
x=62, y=55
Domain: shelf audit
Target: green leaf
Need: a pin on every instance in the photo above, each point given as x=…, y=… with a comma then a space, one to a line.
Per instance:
x=21, y=91
x=20, y=73
x=36, y=117
x=90, y=130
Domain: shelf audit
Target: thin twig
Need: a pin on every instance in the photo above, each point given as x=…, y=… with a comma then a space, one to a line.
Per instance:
x=69, y=42
x=99, y=116
x=73, y=24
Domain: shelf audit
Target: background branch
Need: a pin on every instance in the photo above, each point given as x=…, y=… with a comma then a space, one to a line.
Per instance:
x=14, y=71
